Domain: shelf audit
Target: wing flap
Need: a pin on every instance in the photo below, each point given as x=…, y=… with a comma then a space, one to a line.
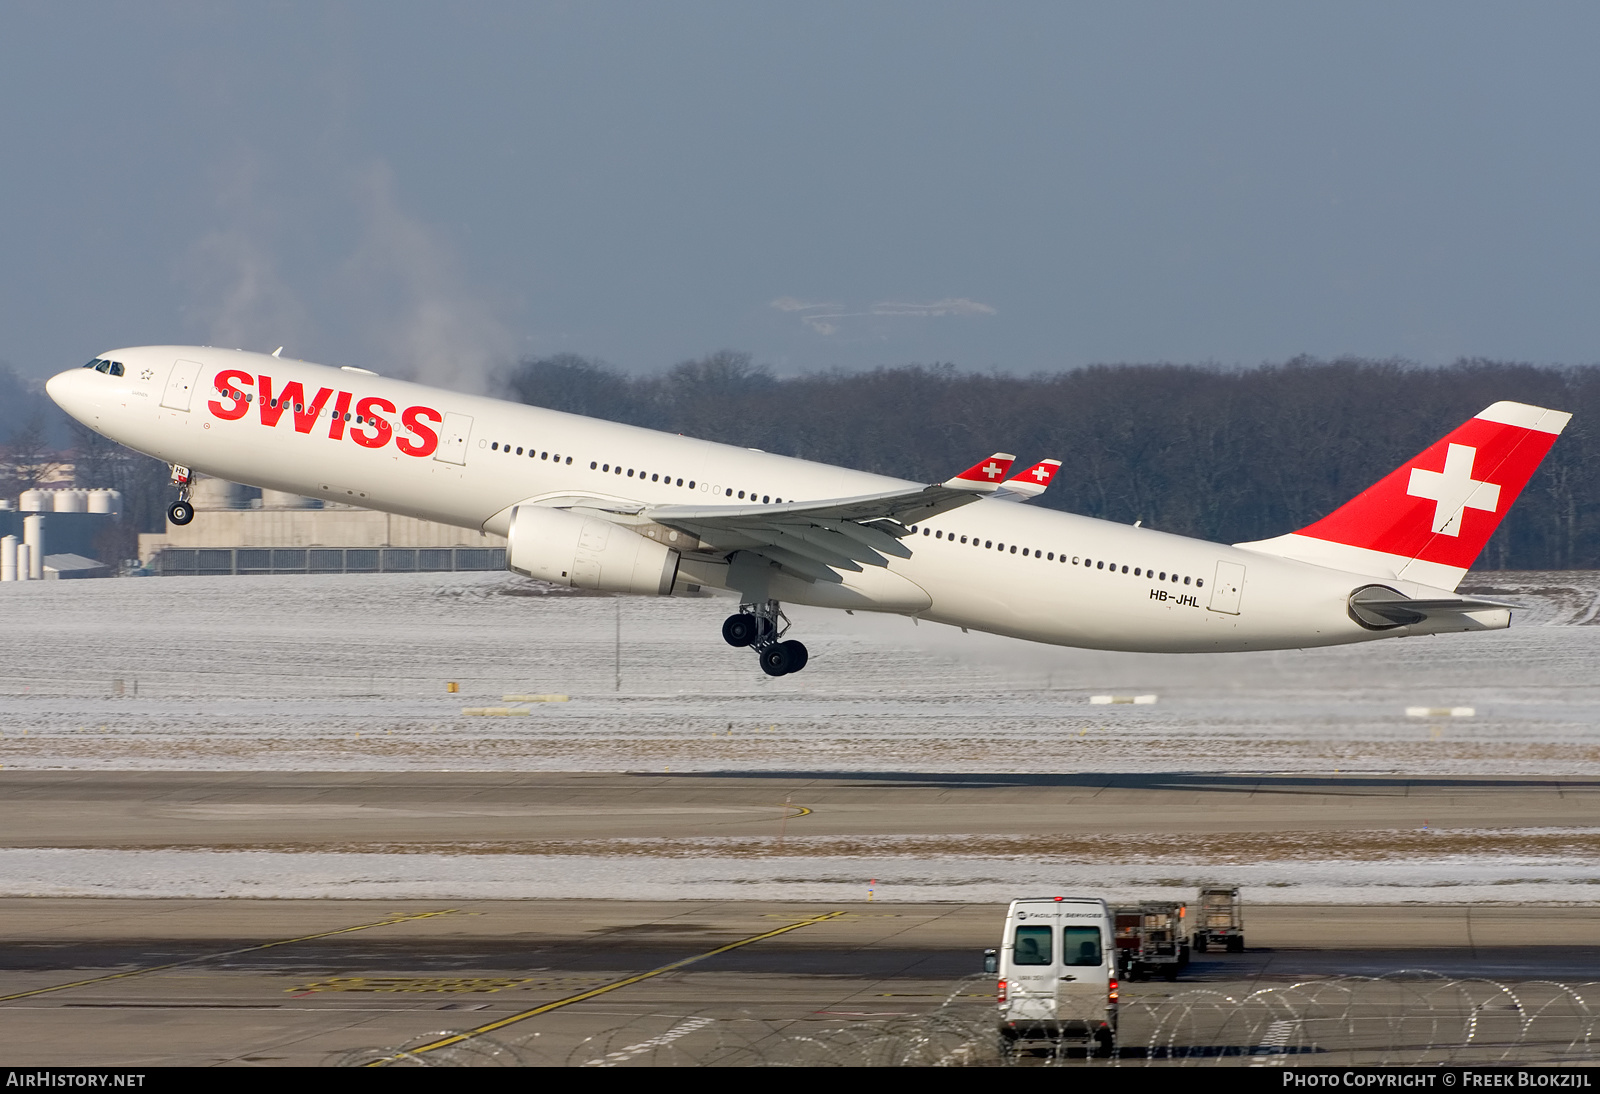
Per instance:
x=817, y=539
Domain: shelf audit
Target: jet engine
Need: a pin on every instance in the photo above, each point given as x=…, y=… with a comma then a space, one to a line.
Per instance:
x=587, y=553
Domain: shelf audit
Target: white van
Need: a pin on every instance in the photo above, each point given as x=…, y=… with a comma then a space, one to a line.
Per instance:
x=1057, y=968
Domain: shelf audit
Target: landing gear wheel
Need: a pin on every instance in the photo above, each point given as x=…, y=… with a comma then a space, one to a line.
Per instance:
x=740, y=630
x=775, y=660
x=180, y=512
x=782, y=658
x=798, y=655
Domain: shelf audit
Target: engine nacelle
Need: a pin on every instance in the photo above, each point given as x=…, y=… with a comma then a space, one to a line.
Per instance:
x=587, y=553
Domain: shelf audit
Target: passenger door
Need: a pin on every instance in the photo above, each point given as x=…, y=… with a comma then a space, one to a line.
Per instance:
x=453, y=437
x=1227, y=588
x=180, y=385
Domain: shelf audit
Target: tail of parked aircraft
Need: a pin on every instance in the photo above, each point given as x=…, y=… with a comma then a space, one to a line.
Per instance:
x=1429, y=519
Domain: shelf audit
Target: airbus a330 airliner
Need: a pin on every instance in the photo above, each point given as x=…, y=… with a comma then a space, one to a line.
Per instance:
x=597, y=505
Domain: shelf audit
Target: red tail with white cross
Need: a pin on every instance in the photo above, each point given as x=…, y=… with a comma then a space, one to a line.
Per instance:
x=1441, y=506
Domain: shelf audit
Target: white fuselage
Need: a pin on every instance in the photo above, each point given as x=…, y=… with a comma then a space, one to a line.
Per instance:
x=490, y=455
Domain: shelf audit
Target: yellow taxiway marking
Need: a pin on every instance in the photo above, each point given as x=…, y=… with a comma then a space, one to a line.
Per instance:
x=226, y=953
x=502, y=1023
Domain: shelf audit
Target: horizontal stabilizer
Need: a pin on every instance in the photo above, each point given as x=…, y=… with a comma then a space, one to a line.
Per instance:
x=1380, y=607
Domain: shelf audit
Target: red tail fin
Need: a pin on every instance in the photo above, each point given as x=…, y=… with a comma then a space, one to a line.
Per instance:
x=1429, y=519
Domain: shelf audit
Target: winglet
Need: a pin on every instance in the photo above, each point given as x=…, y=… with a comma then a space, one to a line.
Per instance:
x=1032, y=482
x=985, y=476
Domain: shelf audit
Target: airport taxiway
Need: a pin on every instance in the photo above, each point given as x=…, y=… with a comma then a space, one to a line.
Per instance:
x=133, y=983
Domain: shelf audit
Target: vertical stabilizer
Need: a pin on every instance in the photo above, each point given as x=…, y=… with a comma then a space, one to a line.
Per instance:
x=1429, y=519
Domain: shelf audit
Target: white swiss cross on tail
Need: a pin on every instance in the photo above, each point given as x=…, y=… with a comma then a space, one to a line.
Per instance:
x=1453, y=490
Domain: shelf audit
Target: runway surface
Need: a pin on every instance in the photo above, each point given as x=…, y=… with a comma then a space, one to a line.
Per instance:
x=786, y=836
x=536, y=810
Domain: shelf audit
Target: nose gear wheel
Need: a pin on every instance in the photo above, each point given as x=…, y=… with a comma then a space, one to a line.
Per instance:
x=181, y=511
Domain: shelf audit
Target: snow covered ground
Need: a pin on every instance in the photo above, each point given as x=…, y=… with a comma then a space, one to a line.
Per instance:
x=59, y=872
x=350, y=672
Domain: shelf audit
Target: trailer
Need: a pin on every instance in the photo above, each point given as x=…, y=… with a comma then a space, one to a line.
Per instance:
x=1151, y=940
x=1220, y=921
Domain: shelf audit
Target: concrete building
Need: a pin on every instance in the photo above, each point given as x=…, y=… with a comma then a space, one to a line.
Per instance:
x=233, y=533
x=67, y=566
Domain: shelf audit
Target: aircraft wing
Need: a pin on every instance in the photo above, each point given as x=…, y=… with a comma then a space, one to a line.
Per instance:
x=817, y=539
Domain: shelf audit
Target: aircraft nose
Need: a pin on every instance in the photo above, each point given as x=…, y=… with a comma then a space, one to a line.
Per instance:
x=65, y=389
x=56, y=386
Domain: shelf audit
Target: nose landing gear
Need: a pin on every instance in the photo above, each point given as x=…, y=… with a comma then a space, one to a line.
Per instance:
x=181, y=512
x=763, y=626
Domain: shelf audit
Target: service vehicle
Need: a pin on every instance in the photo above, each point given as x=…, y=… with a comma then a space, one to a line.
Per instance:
x=1150, y=939
x=1220, y=921
x=1057, y=974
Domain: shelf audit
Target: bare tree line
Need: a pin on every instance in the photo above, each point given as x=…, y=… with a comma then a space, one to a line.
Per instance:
x=1224, y=454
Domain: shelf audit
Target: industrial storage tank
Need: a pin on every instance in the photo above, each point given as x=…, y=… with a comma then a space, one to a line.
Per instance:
x=283, y=499
x=71, y=501
x=217, y=494
x=34, y=501
x=105, y=501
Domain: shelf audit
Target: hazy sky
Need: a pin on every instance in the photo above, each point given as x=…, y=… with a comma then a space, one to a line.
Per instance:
x=439, y=187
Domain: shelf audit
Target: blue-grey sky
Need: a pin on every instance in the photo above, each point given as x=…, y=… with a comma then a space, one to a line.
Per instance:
x=437, y=188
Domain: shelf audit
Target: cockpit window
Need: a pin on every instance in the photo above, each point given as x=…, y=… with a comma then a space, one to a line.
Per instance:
x=116, y=368
x=110, y=368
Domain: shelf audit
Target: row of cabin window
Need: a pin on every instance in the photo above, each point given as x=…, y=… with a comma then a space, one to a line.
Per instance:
x=617, y=470
x=299, y=408
x=595, y=465
x=1050, y=556
x=533, y=453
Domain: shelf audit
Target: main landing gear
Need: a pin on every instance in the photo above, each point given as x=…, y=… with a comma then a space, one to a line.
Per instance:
x=763, y=626
x=181, y=511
